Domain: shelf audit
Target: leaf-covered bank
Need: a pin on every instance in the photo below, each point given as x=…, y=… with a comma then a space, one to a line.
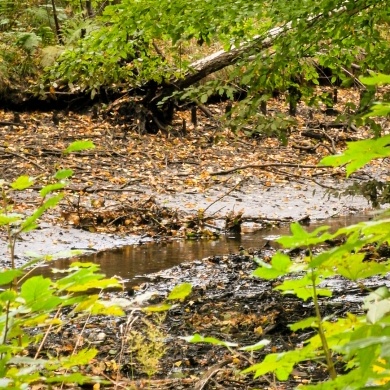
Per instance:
x=183, y=184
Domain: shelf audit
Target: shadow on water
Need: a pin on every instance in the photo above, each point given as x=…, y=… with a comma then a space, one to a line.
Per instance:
x=134, y=263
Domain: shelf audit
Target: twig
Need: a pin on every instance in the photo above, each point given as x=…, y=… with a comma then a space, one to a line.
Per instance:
x=226, y=194
x=129, y=323
x=263, y=219
x=45, y=335
x=209, y=374
x=205, y=110
x=331, y=140
x=324, y=186
x=2, y=123
x=23, y=158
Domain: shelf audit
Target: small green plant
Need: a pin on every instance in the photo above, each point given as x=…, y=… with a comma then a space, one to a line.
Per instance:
x=30, y=308
x=148, y=345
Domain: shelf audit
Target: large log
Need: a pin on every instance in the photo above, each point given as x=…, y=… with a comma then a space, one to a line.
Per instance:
x=198, y=70
x=221, y=59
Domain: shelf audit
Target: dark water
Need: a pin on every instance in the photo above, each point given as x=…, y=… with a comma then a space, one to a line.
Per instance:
x=133, y=262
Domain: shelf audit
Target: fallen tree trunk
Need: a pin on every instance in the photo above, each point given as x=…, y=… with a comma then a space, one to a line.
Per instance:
x=162, y=114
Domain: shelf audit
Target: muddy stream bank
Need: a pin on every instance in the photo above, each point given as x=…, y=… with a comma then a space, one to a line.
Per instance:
x=133, y=263
x=226, y=302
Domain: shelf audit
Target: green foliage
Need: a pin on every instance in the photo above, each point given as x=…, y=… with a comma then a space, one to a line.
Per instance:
x=359, y=343
x=76, y=146
x=28, y=304
x=121, y=48
x=362, y=342
x=359, y=153
x=180, y=292
x=197, y=338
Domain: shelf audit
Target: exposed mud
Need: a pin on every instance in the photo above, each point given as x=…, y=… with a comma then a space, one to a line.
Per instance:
x=226, y=303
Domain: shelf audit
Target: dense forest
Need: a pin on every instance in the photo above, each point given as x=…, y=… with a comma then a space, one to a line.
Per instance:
x=168, y=54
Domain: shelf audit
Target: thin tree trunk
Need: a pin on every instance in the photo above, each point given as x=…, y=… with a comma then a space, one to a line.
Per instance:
x=56, y=22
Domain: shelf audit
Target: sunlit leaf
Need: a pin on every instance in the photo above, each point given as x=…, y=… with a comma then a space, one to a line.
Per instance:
x=354, y=267
x=359, y=153
x=255, y=347
x=378, y=109
x=180, y=292
x=63, y=174
x=70, y=378
x=309, y=322
x=80, y=358
x=38, y=294
x=197, y=338
x=279, y=266
x=8, y=219
x=301, y=238
x=377, y=310
x=50, y=188
x=22, y=182
x=157, y=308
x=78, y=146
x=281, y=364
x=302, y=288
x=375, y=79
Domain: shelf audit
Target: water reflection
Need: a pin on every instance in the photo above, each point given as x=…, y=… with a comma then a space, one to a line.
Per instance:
x=131, y=262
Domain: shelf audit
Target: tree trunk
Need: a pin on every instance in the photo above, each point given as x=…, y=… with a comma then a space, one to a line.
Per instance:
x=199, y=70
x=221, y=59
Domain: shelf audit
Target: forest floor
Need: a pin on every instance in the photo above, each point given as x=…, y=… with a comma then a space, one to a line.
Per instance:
x=194, y=184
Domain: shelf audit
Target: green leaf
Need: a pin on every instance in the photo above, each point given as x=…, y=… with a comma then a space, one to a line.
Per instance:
x=94, y=284
x=378, y=310
x=375, y=79
x=180, y=292
x=203, y=98
x=378, y=109
x=353, y=267
x=38, y=294
x=377, y=295
x=353, y=380
x=255, y=347
x=22, y=182
x=280, y=265
x=377, y=304
x=80, y=358
x=309, y=322
x=70, y=378
x=197, y=338
x=281, y=364
x=50, y=188
x=157, y=308
x=7, y=276
x=8, y=296
x=359, y=153
x=63, y=174
x=301, y=238
x=355, y=345
x=78, y=146
x=30, y=222
x=303, y=287
x=8, y=219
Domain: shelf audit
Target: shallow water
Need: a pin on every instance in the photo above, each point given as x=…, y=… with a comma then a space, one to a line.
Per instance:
x=134, y=262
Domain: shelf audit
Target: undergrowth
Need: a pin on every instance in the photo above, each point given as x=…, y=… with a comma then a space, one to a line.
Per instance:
x=359, y=344
x=32, y=307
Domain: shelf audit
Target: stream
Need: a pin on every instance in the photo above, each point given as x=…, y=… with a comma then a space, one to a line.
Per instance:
x=133, y=263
